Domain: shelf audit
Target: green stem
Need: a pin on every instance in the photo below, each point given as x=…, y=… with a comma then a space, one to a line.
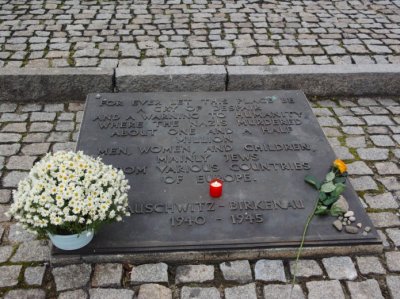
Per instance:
x=310, y=217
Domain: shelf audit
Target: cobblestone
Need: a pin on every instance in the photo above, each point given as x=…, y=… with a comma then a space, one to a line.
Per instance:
x=71, y=276
x=12, y=178
x=393, y=283
x=382, y=140
x=5, y=196
x=95, y=34
x=41, y=127
x=111, y=293
x=277, y=291
x=4, y=217
x=9, y=149
x=377, y=130
x=34, y=275
x=8, y=107
x=326, y=121
x=9, y=117
x=269, y=270
x=373, y=154
x=26, y=294
x=359, y=168
x=352, y=130
x=370, y=265
x=364, y=183
x=15, y=127
x=200, y=293
x=374, y=120
x=20, y=162
x=387, y=168
x=42, y=116
x=394, y=235
x=32, y=251
x=149, y=273
x=9, y=137
x=77, y=294
x=325, y=289
x=155, y=291
x=246, y=291
x=5, y=253
x=107, y=275
x=393, y=261
x=17, y=234
x=356, y=142
x=306, y=268
x=384, y=219
x=239, y=271
x=342, y=152
x=9, y=275
x=351, y=121
x=35, y=149
x=340, y=268
x=364, y=289
x=194, y=273
x=35, y=138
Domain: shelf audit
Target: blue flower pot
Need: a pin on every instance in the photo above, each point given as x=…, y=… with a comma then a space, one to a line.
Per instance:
x=72, y=242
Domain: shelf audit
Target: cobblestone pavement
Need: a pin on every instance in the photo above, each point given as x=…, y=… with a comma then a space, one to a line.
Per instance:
x=364, y=131
x=80, y=33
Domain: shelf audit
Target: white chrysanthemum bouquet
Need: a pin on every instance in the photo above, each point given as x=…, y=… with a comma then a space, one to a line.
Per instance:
x=68, y=193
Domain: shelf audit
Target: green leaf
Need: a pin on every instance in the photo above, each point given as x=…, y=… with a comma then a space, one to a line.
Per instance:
x=330, y=200
x=321, y=210
x=322, y=196
x=339, y=189
x=336, y=211
x=340, y=179
x=328, y=187
x=312, y=181
x=330, y=176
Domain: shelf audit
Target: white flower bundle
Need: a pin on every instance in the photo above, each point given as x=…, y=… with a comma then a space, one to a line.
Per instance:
x=67, y=193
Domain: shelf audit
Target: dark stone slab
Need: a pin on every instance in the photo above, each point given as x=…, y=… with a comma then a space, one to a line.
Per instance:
x=261, y=143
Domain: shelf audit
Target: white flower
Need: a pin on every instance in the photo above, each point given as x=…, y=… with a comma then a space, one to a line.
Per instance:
x=70, y=188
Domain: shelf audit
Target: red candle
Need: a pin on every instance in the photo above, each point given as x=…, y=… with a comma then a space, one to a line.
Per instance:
x=216, y=188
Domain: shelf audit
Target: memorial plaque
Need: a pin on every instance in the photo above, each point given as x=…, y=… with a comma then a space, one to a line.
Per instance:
x=170, y=145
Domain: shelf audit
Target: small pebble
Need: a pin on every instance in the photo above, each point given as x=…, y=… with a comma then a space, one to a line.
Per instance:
x=367, y=229
x=345, y=219
x=344, y=223
x=359, y=225
x=338, y=225
x=352, y=218
x=365, y=234
x=349, y=214
x=340, y=218
x=348, y=222
x=351, y=229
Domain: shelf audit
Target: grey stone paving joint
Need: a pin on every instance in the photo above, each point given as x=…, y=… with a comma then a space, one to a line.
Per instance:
x=363, y=131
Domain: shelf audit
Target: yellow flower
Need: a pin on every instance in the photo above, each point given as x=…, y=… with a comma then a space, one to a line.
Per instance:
x=339, y=164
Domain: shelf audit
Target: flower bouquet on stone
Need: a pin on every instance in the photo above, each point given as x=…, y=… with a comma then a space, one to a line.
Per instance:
x=330, y=189
x=67, y=196
x=329, y=200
